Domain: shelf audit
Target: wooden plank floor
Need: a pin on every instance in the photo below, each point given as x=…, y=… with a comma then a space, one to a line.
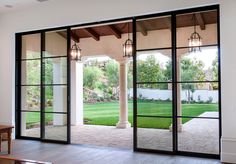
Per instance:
x=82, y=154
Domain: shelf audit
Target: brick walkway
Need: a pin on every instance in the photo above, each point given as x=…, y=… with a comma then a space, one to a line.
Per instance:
x=199, y=135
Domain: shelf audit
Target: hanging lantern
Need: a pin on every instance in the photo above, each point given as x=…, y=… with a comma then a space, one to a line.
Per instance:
x=195, y=40
x=128, y=46
x=75, y=53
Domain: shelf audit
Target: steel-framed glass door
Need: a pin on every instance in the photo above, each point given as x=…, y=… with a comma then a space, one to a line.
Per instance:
x=153, y=121
x=177, y=87
x=43, y=86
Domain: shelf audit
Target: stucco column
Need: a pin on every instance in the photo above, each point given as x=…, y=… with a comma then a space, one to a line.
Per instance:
x=59, y=94
x=77, y=115
x=179, y=103
x=123, y=118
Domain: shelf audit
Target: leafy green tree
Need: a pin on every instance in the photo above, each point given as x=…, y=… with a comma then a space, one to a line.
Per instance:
x=168, y=71
x=191, y=70
x=215, y=72
x=112, y=73
x=92, y=76
x=150, y=71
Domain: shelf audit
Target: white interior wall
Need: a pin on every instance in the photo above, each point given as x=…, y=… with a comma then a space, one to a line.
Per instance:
x=228, y=78
x=68, y=12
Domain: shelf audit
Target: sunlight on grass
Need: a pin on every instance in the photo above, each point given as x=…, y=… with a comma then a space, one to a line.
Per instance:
x=107, y=113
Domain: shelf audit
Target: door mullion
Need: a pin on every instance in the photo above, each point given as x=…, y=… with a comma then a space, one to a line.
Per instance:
x=42, y=95
x=174, y=83
x=134, y=86
x=68, y=86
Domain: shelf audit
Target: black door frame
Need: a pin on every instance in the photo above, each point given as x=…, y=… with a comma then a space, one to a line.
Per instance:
x=174, y=82
x=134, y=18
x=42, y=86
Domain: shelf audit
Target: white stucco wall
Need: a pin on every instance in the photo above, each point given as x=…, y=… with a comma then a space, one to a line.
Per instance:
x=66, y=12
x=161, y=94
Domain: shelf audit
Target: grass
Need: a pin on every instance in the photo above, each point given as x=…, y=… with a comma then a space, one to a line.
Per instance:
x=107, y=113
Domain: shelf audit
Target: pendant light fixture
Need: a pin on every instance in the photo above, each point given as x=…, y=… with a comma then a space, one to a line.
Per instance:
x=128, y=47
x=195, y=40
x=75, y=52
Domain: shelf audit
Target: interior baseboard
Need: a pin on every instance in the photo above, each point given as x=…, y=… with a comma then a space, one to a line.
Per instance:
x=228, y=150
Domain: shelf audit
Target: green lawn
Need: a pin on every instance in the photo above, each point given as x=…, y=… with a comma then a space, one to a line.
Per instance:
x=108, y=113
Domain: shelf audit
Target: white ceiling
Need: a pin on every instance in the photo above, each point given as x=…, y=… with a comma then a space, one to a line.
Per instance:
x=17, y=4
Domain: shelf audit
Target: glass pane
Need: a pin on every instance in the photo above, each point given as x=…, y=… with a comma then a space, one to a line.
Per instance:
x=56, y=98
x=197, y=66
x=30, y=124
x=55, y=43
x=199, y=135
x=198, y=99
x=154, y=99
x=205, y=23
x=30, y=72
x=154, y=66
x=154, y=33
x=31, y=46
x=154, y=133
x=55, y=70
x=30, y=98
x=56, y=126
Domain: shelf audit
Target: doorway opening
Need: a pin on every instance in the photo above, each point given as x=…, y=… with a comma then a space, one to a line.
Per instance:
x=101, y=109
x=176, y=83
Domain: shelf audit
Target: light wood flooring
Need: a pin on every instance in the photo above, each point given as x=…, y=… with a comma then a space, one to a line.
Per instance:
x=82, y=154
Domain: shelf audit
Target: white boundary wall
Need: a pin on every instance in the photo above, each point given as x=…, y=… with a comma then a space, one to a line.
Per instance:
x=158, y=94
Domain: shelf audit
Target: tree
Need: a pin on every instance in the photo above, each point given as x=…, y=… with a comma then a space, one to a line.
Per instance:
x=168, y=71
x=215, y=72
x=150, y=71
x=191, y=70
x=92, y=76
x=112, y=73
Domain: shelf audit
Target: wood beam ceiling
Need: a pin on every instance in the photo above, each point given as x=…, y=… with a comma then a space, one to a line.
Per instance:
x=92, y=33
x=115, y=31
x=74, y=36
x=167, y=22
x=142, y=28
x=200, y=21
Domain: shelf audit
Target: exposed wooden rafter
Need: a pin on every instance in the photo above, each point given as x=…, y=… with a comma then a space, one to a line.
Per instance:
x=63, y=34
x=167, y=22
x=92, y=33
x=74, y=36
x=115, y=31
x=142, y=28
x=200, y=21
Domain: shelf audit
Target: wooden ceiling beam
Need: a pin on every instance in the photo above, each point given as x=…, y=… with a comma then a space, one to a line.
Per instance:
x=168, y=22
x=142, y=28
x=92, y=33
x=200, y=21
x=74, y=36
x=115, y=31
x=62, y=34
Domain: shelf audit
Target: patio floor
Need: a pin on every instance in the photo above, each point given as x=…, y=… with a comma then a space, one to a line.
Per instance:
x=199, y=135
